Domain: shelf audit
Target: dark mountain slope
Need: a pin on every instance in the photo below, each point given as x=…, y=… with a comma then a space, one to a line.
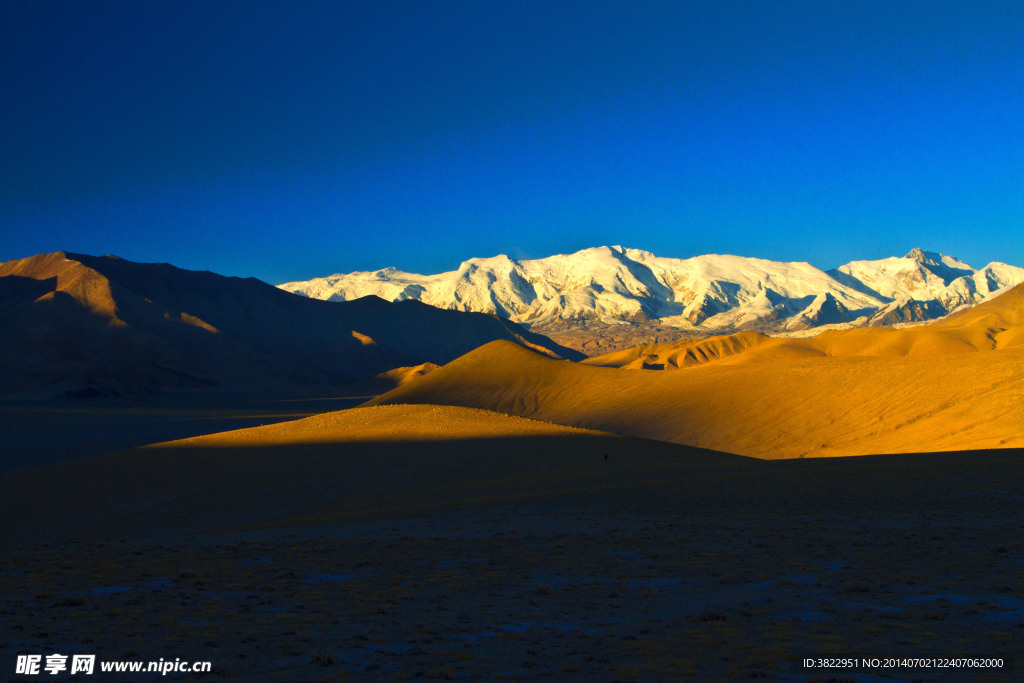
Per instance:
x=87, y=324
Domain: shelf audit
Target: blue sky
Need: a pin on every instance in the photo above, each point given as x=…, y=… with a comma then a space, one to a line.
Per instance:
x=291, y=140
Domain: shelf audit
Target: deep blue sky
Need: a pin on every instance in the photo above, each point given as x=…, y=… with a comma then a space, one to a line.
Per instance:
x=287, y=140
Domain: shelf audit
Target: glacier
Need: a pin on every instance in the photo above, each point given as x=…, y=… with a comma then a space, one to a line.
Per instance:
x=614, y=286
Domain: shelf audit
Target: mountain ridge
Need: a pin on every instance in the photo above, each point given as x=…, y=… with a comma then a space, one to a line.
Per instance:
x=88, y=325
x=702, y=295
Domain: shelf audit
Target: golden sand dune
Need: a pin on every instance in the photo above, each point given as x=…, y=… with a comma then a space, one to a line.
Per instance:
x=383, y=423
x=386, y=381
x=402, y=461
x=950, y=387
x=404, y=375
x=363, y=463
x=996, y=324
x=684, y=354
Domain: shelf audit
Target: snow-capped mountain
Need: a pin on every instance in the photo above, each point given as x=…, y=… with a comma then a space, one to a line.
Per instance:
x=704, y=294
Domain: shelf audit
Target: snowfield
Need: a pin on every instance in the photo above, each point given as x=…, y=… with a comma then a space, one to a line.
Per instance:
x=711, y=293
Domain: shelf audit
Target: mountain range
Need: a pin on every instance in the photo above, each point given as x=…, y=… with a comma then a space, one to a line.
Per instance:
x=615, y=287
x=88, y=325
x=100, y=325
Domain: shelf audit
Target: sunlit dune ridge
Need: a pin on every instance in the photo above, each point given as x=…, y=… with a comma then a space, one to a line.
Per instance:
x=358, y=464
x=997, y=324
x=952, y=386
x=384, y=423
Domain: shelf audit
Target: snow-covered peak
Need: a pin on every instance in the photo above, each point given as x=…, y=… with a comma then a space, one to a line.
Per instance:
x=710, y=292
x=933, y=258
x=920, y=275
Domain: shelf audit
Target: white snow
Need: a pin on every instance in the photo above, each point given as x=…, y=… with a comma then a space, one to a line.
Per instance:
x=717, y=292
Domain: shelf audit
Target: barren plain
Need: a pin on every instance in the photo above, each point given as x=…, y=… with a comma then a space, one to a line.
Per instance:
x=446, y=543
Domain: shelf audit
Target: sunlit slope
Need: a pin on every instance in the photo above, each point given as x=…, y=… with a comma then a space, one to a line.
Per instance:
x=684, y=354
x=382, y=423
x=995, y=324
x=360, y=464
x=822, y=406
x=1001, y=319
x=749, y=347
